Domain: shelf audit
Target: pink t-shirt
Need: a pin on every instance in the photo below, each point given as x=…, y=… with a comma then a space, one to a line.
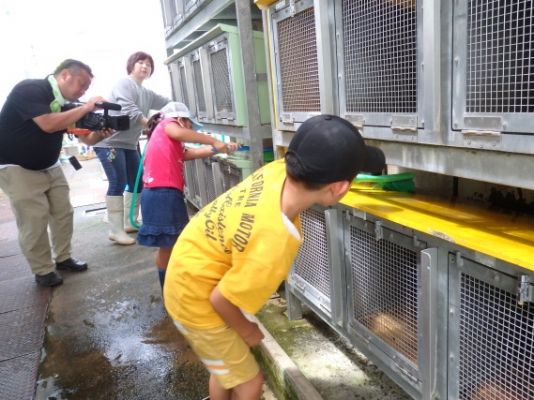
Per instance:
x=164, y=159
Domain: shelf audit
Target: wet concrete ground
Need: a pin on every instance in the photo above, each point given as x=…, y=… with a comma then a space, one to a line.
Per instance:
x=107, y=333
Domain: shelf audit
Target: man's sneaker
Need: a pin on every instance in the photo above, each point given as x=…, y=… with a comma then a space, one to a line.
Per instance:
x=71, y=264
x=49, y=280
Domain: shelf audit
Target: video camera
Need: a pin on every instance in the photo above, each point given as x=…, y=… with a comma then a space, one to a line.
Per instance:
x=96, y=121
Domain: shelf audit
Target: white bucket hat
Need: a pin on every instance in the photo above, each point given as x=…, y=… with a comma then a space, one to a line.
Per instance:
x=175, y=109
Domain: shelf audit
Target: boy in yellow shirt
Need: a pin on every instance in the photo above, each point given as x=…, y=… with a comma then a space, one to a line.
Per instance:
x=237, y=250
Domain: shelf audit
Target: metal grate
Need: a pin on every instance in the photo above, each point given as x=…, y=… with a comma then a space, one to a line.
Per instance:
x=199, y=86
x=221, y=81
x=311, y=263
x=500, y=55
x=192, y=179
x=231, y=176
x=183, y=85
x=496, y=353
x=209, y=181
x=384, y=295
x=297, y=48
x=380, y=55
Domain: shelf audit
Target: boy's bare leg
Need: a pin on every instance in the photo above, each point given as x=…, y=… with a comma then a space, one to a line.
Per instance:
x=217, y=392
x=250, y=390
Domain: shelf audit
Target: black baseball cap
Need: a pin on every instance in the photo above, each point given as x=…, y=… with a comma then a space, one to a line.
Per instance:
x=330, y=149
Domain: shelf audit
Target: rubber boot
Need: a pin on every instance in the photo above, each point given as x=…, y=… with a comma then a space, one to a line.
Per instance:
x=128, y=227
x=116, y=221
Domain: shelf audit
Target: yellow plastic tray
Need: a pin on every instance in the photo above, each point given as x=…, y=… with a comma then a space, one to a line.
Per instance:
x=506, y=237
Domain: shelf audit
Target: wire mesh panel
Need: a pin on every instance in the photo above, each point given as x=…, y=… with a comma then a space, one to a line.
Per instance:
x=379, y=47
x=500, y=54
x=183, y=84
x=205, y=170
x=311, y=273
x=384, y=277
x=231, y=175
x=222, y=90
x=495, y=38
x=191, y=182
x=494, y=343
x=297, y=63
x=174, y=71
x=199, y=85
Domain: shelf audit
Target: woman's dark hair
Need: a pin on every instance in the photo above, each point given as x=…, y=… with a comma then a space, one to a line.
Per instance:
x=74, y=66
x=153, y=121
x=137, y=56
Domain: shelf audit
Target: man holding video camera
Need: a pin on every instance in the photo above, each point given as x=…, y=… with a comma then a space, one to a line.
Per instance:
x=32, y=125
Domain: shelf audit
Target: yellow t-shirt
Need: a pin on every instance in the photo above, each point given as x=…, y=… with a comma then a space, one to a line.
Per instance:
x=240, y=243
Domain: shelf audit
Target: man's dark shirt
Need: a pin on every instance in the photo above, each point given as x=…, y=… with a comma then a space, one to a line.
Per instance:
x=22, y=142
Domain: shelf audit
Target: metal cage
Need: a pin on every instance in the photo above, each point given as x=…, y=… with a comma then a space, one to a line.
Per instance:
x=192, y=188
x=183, y=79
x=206, y=180
x=493, y=66
x=223, y=93
x=378, y=54
x=296, y=59
x=491, y=335
x=227, y=175
x=311, y=274
x=384, y=276
x=198, y=85
x=174, y=72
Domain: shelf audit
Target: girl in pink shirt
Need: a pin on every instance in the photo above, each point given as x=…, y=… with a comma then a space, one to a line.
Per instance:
x=162, y=201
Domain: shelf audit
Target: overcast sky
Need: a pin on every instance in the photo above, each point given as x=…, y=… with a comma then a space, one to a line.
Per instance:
x=101, y=33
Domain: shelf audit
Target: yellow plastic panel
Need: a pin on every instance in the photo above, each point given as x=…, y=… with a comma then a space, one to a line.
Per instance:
x=505, y=237
x=263, y=4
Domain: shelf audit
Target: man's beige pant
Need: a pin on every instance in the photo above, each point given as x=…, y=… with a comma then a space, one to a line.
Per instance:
x=40, y=199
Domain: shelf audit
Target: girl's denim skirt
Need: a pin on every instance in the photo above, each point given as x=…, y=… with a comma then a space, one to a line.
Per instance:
x=164, y=216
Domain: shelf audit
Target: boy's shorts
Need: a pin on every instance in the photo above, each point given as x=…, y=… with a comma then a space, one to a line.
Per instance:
x=224, y=353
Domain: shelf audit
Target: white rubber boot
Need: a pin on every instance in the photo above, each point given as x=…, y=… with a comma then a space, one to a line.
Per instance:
x=127, y=204
x=116, y=221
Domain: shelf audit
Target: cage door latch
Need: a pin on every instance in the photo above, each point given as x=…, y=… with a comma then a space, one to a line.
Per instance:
x=525, y=290
x=379, y=231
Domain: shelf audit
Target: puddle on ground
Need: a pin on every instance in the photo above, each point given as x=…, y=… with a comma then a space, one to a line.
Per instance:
x=120, y=361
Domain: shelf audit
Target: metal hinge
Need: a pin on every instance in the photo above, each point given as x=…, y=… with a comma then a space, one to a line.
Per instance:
x=379, y=231
x=525, y=290
x=292, y=10
x=287, y=118
x=406, y=124
x=357, y=120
